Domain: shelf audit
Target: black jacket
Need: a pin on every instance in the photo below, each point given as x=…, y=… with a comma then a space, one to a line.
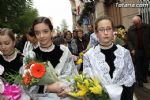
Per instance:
x=132, y=38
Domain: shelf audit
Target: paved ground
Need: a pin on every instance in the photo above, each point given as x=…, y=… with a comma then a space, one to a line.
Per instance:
x=147, y=85
x=143, y=93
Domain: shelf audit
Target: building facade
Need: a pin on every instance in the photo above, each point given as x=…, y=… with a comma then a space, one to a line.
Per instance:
x=121, y=11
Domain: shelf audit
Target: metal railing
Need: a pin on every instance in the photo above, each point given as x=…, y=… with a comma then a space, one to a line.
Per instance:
x=145, y=11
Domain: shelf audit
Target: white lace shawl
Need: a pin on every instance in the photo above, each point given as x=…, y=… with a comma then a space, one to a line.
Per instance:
x=95, y=65
x=66, y=67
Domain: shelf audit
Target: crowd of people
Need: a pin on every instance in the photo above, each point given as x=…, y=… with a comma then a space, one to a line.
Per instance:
x=119, y=62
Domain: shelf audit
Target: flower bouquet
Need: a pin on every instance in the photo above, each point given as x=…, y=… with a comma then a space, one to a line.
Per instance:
x=40, y=73
x=8, y=91
x=80, y=59
x=121, y=33
x=87, y=89
x=11, y=92
x=34, y=73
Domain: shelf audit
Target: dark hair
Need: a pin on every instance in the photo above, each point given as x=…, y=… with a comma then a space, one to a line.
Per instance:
x=90, y=25
x=65, y=34
x=140, y=16
x=31, y=33
x=103, y=18
x=120, y=26
x=42, y=20
x=59, y=40
x=9, y=32
x=80, y=30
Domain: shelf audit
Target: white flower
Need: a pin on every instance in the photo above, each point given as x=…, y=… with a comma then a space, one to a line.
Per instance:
x=25, y=72
x=1, y=82
x=1, y=69
x=1, y=86
x=31, y=55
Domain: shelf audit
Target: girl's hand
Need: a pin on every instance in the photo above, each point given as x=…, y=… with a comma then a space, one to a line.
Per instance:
x=63, y=94
x=56, y=87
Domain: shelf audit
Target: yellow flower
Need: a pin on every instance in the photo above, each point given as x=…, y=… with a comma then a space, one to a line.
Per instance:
x=74, y=94
x=81, y=54
x=79, y=61
x=78, y=93
x=76, y=78
x=79, y=78
x=95, y=81
x=82, y=92
x=82, y=86
x=86, y=82
x=96, y=89
x=121, y=33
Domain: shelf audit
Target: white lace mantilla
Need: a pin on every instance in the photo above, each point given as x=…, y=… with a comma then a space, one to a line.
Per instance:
x=95, y=65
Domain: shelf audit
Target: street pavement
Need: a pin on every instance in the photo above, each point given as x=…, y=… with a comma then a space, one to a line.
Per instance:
x=143, y=93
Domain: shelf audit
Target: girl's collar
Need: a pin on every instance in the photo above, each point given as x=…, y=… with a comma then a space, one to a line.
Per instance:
x=106, y=47
x=47, y=49
x=10, y=57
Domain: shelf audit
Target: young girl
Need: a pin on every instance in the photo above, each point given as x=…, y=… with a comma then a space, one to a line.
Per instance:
x=59, y=57
x=110, y=63
x=10, y=59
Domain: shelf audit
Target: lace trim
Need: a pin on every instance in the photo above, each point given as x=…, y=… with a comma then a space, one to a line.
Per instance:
x=11, y=58
x=49, y=49
x=124, y=72
x=106, y=47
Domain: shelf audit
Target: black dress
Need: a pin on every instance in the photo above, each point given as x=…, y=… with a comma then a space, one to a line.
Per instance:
x=52, y=56
x=13, y=66
x=127, y=93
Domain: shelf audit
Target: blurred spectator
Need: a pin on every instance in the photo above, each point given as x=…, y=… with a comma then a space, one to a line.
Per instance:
x=90, y=30
x=71, y=42
x=139, y=44
x=81, y=41
x=20, y=44
x=121, y=36
x=75, y=34
x=31, y=43
x=93, y=41
x=59, y=40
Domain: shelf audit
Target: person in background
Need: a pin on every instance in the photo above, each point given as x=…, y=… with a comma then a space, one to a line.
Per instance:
x=60, y=41
x=121, y=36
x=58, y=56
x=93, y=41
x=81, y=41
x=139, y=45
x=74, y=33
x=90, y=30
x=71, y=42
x=31, y=43
x=20, y=44
x=110, y=63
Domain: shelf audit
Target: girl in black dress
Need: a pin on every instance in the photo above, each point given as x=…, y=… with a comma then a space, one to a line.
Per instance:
x=111, y=63
x=10, y=58
x=59, y=57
